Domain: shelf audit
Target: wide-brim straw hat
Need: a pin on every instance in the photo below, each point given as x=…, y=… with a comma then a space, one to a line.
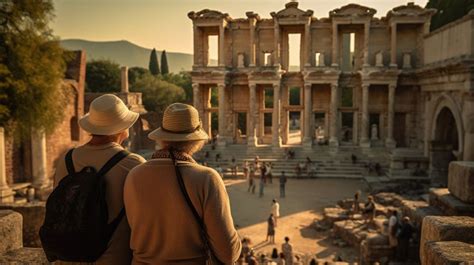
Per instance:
x=108, y=115
x=180, y=123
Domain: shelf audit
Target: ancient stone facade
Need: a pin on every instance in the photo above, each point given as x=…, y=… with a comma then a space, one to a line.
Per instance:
x=400, y=85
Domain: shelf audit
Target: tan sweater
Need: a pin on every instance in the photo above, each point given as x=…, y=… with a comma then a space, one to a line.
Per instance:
x=96, y=156
x=164, y=230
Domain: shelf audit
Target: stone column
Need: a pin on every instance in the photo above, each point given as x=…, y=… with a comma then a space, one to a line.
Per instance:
x=366, y=43
x=364, y=125
x=308, y=106
x=307, y=41
x=393, y=46
x=222, y=114
x=252, y=137
x=389, y=141
x=41, y=183
x=197, y=46
x=276, y=137
x=333, y=139
x=276, y=49
x=124, y=80
x=6, y=194
x=197, y=99
x=335, y=45
x=252, y=22
x=221, y=45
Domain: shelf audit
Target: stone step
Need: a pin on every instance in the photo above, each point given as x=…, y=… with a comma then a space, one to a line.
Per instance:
x=10, y=231
x=24, y=256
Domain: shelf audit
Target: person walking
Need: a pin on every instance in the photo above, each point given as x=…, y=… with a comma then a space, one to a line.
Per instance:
x=404, y=236
x=263, y=173
x=269, y=172
x=261, y=187
x=107, y=122
x=275, y=210
x=287, y=250
x=282, y=184
x=251, y=180
x=271, y=229
x=392, y=232
x=178, y=210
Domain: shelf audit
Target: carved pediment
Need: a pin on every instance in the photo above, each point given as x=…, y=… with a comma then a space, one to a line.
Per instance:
x=411, y=10
x=208, y=14
x=292, y=11
x=353, y=10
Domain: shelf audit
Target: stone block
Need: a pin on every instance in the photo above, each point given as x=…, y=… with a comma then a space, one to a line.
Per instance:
x=24, y=256
x=448, y=204
x=446, y=228
x=448, y=253
x=461, y=180
x=33, y=217
x=417, y=210
x=10, y=231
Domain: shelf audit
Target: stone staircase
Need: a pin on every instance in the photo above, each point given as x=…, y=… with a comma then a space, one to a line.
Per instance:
x=330, y=162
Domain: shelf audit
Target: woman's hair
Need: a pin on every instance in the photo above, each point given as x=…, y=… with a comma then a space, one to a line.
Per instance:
x=189, y=147
x=274, y=253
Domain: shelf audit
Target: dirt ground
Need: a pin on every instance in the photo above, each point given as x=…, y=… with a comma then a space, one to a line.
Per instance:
x=304, y=203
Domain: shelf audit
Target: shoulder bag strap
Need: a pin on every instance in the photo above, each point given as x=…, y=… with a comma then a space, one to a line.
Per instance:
x=70, y=163
x=209, y=251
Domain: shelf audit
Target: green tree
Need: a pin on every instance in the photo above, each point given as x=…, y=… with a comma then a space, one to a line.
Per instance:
x=182, y=79
x=153, y=65
x=102, y=76
x=157, y=93
x=448, y=11
x=136, y=73
x=164, y=64
x=31, y=67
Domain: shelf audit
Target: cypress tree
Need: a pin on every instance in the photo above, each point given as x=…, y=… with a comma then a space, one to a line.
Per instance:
x=153, y=65
x=164, y=63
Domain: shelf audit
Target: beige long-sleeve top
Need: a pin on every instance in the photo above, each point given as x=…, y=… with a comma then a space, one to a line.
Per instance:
x=164, y=230
x=96, y=156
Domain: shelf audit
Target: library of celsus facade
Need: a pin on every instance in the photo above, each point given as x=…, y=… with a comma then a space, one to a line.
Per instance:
x=362, y=80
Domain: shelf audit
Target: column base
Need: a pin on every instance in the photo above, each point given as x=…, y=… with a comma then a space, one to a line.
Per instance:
x=252, y=65
x=334, y=142
x=393, y=65
x=307, y=64
x=6, y=195
x=365, y=143
x=390, y=143
x=252, y=141
x=307, y=142
x=365, y=65
x=42, y=191
x=334, y=65
x=276, y=143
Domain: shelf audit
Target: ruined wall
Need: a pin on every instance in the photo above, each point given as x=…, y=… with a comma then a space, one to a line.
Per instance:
x=379, y=42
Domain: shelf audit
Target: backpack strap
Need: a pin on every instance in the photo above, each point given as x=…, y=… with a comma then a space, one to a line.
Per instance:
x=112, y=162
x=70, y=163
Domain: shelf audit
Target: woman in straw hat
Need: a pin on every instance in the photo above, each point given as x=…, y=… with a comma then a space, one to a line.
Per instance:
x=165, y=230
x=108, y=122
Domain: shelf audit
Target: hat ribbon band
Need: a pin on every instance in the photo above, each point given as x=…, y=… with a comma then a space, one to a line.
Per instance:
x=182, y=132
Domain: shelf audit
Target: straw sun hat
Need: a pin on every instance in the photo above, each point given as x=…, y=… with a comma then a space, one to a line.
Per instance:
x=108, y=115
x=180, y=123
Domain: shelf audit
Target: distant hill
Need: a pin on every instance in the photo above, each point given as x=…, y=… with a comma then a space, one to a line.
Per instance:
x=127, y=54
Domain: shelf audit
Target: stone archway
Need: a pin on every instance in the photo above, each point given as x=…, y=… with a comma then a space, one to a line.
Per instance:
x=445, y=145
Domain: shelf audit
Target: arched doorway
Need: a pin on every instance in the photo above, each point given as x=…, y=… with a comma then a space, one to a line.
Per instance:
x=444, y=145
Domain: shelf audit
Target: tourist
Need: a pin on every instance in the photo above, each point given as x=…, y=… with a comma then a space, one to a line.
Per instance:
x=257, y=163
x=241, y=260
x=378, y=169
x=271, y=229
x=163, y=224
x=263, y=172
x=404, y=235
x=233, y=166
x=275, y=210
x=369, y=210
x=281, y=259
x=252, y=180
x=299, y=169
x=311, y=169
x=353, y=158
x=287, y=250
x=218, y=157
x=269, y=172
x=220, y=170
x=313, y=262
x=245, y=246
x=251, y=259
x=274, y=255
x=356, y=203
x=246, y=169
x=297, y=260
x=261, y=186
x=282, y=184
x=107, y=122
x=392, y=231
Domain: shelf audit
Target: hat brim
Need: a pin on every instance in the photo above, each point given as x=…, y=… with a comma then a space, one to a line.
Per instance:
x=161, y=135
x=112, y=129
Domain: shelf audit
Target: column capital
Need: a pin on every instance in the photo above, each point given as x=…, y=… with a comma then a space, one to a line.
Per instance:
x=365, y=85
x=392, y=86
x=276, y=85
x=334, y=85
x=221, y=85
x=195, y=85
x=252, y=85
x=308, y=85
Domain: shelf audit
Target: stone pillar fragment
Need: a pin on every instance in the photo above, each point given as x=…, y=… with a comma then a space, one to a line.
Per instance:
x=252, y=22
x=124, y=79
x=307, y=42
x=222, y=114
x=390, y=142
x=461, y=180
x=252, y=137
x=393, y=46
x=307, y=133
x=221, y=45
x=333, y=139
x=335, y=45
x=6, y=194
x=41, y=182
x=364, y=137
x=276, y=137
x=276, y=51
x=366, y=43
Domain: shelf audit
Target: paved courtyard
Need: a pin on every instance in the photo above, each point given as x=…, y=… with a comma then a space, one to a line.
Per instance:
x=304, y=202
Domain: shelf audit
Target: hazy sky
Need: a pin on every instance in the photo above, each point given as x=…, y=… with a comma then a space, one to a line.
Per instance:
x=164, y=24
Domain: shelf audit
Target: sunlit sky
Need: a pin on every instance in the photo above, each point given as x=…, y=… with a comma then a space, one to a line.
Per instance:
x=164, y=24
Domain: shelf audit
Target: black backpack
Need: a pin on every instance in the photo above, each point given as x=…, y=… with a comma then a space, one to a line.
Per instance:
x=76, y=224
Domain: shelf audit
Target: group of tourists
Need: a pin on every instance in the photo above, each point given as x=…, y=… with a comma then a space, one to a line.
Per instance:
x=110, y=206
x=284, y=257
x=263, y=172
